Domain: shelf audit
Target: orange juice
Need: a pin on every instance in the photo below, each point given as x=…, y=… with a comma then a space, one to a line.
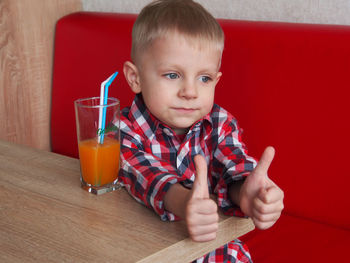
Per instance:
x=99, y=162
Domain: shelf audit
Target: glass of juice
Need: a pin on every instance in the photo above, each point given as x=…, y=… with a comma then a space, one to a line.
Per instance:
x=99, y=145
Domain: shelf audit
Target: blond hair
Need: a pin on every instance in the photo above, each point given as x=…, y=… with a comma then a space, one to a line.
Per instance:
x=184, y=16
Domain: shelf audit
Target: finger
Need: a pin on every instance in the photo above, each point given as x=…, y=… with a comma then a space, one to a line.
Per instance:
x=265, y=161
x=200, y=185
x=263, y=225
x=200, y=219
x=271, y=195
x=203, y=229
x=204, y=206
x=204, y=238
x=265, y=218
x=263, y=208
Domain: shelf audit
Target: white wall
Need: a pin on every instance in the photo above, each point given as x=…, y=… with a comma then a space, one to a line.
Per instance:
x=303, y=11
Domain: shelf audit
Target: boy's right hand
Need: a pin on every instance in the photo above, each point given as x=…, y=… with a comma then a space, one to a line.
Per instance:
x=201, y=211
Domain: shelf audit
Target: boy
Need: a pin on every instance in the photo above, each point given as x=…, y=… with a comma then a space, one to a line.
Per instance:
x=178, y=147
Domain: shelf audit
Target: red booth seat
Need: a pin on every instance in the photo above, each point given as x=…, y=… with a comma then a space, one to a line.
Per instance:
x=288, y=86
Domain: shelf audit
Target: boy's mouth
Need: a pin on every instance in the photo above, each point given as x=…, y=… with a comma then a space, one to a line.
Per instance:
x=185, y=110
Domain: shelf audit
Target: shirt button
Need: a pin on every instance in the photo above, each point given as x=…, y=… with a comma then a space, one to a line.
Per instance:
x=167, y=132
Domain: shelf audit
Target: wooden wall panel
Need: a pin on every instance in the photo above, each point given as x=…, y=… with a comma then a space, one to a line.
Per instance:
x=26, y=56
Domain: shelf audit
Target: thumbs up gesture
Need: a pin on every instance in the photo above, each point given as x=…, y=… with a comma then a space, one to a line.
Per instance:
x=260, y=198
x=201, y=212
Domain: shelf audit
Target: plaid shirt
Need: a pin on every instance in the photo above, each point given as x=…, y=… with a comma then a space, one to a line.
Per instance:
x=154, y=158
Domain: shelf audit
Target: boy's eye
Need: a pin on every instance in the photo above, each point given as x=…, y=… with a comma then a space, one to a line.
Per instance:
x=204, y=79
x=172, y=75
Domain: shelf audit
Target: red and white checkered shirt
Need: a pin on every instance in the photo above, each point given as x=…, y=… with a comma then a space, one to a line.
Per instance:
x=153, y=158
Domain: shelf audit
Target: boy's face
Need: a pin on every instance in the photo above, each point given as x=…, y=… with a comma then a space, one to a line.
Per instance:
x=177, y=78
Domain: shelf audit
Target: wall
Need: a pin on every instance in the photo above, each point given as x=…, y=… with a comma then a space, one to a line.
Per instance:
x=303, y=11
x=26, y=55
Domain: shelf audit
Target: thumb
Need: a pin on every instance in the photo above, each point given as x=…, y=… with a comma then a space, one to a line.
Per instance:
x=200, y=185
x=265, y=161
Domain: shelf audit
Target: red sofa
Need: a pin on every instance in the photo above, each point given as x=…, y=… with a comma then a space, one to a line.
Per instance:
x=288, y=86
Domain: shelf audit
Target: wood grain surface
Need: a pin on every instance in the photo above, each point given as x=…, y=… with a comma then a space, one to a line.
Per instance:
x=26, y=55
x=45, y=216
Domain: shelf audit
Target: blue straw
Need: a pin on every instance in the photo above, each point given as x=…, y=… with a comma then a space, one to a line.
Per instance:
x=105, y=99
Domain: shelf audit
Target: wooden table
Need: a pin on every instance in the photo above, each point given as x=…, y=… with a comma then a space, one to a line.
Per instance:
x=45, y=216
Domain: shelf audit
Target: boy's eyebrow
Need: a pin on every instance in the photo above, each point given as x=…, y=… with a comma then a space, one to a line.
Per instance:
x=201, y=71
x=213, y=70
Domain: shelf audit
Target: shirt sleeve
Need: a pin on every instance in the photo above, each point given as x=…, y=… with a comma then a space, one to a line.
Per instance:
x=146, y=177
x=232, y=162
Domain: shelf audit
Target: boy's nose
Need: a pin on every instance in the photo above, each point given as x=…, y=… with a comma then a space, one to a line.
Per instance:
x=188, y=91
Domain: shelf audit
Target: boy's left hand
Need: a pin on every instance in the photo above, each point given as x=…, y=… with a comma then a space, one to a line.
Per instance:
x=260, y=198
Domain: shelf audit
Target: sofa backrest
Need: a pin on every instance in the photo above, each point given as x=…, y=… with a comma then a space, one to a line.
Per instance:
x=287, y=84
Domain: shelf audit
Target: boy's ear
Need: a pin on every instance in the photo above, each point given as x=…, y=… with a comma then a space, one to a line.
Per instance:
x=132, y=76
x=218, y=76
